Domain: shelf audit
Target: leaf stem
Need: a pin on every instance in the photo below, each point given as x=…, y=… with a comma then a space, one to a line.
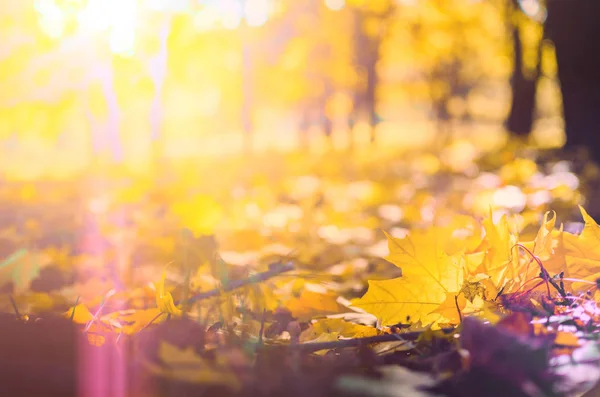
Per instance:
x=14, y=305
x=262, y=327
x=354, y=342
x=74, y=308
x=274, y=270
x=458, y=308
x=544, y=273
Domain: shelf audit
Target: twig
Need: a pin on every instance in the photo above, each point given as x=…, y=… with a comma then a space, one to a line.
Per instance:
x=545, y=276
x=14, y=305
x=273, y=271
x=102, y=304
x=188, y=271
x=152, y=321
x=262, y=327
x=458, y=308
x=559, y=288
x=354, y=342
x=74, y=308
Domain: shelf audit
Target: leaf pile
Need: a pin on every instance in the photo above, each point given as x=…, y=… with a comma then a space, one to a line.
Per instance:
x=255, y=282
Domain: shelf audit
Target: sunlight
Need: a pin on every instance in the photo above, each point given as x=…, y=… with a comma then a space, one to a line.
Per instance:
x=231, y=14
x=335, y=5
x=256, y=12
x=118, y=16
x=201, y=197
x=98, y=15
x=52, y=20
x=122, y=35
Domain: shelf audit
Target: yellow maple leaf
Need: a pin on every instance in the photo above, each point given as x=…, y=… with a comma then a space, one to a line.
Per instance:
x=312, y=304
x=326, y=337
x=547, y=248
x=463, y=234
x=473, y=263
x=547, y=245
x=582, y=253
x=422, y=254
x=97, y=333
x=501, y=259
x=96, y=339
x=451, y=308
x=429, y=274
x=131, y=321
x=335, y=328
x=490, y=311
x=566, y=339
x=164, y=299
x=81, y=316
x=403, y=299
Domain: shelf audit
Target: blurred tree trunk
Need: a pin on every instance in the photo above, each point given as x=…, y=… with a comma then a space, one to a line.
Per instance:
x=523, y=84
x=574, y=28
x=247, y=96
x=316, y=72
x=370, y=28
x=157, y=69
x=366, y=55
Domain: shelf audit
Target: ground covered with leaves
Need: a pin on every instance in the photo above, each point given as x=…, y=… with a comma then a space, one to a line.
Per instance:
x=454, y=273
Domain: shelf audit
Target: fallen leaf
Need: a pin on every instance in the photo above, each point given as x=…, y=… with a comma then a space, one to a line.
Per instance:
x=548, y=246
x=336, y=327
x=501, y=260
x=451, y=308
x=81, y=316
x=164, y=300
x=311, y=304
x=566, y=339
x=132, y=321
x=402, y=300
x=582, y=254
x=95, y=339
x=429, y=275
x=422, y=253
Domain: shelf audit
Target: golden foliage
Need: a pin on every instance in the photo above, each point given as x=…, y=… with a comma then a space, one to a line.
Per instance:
x=436, y=287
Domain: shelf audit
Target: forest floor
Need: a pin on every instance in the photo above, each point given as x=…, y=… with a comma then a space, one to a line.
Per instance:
x=455, y=272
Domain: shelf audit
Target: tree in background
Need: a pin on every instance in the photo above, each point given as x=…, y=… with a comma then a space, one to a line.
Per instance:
x=455, y=57
x=570, y=26
x=527, y=65
x=573, y=28
x=206, y=71
x=371, y=25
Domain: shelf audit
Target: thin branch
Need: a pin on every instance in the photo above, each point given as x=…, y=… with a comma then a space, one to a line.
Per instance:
x=560, y=289
x=74, y=308
x=544, y=273
x=354, y=342
x=262, y=327
x=458, y=308
x=152, y=321
x=274, y=270
x=14, y=305
x=102, y=304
